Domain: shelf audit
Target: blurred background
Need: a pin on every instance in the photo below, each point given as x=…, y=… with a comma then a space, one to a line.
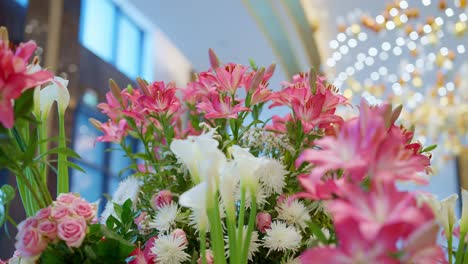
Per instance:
x=411, y=52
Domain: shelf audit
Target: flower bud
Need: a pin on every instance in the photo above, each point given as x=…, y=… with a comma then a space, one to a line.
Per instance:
x=180, y=233
x=163, y=198
x=263, y=221
x=209, y=258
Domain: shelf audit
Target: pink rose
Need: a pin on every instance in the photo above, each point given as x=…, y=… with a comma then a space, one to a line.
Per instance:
x=164, y=197
x=48, y=228
x=263, y=221
x=44, y=213
x=66, y=198
x=83, y=209
x=180, y=233
x=60, y=211
x=31, y=222
x=209, y=257
x=29, y=242
x=72, y=230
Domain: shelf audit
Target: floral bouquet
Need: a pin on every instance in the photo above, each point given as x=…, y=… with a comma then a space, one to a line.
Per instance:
x=214, y=181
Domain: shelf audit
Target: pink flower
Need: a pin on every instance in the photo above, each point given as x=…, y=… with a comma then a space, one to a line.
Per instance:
x=230, y=77
x=66, y=198
x=48, y=228
x=72, y=230
x=60, y=211
x=160, y=99
x=196, y=91
x=139, y=220
x=260, y=95
x=113, y=108
x=147, y=252
x=209, y=258
x=354, y=247
x=138, y=257
x=15, y=77
x=216, y=106
x=421, y=246
x=30, y=222
x=29, y=242
x=162, y=199
x=279, y=124
x=316, y=188
x=382, y=206
x=44, y=213
x=84, y=209
x=180, y=233
x=263, y=221
x=113, y=132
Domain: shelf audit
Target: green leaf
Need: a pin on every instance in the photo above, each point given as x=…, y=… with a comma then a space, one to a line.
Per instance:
x=313, y=80
x=74, y=166
x=66, y=151
x=317, y=231
x=429, y=148
x=24, y=104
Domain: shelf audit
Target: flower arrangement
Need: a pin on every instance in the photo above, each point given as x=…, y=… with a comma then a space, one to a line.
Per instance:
x=216, y=182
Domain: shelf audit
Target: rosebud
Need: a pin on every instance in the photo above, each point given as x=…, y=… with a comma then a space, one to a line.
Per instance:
x=209, y=257
x=180, y=233
x=140, y=219
x=164, y=197
x=263, y=221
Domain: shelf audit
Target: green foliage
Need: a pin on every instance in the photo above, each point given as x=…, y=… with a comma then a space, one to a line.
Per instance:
x=7, y=194
x=124, y=223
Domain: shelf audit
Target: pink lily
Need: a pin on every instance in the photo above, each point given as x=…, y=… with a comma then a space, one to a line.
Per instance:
x=113, y=132
x=230, y=77
x=216, y=106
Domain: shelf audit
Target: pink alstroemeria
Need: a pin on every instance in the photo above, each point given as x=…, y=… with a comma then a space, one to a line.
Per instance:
x=15, y=77
x=260, y=95
x=316, y=188
x=113, y=108
x=230, y=77
x=196, y=91
x=310, y=113
x=378, y=208
x=216, y=106
x=354, y=248
x=113, y=132
x=421, y=246
x=160, y=99
x=279, y=123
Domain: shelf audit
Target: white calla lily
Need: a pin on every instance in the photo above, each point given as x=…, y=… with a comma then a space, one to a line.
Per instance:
x=195, y=149
x=55, y=92
x=445, y=213
x=464, y=216
x=247, y=165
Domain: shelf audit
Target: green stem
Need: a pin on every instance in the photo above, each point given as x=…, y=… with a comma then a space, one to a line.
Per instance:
x=450, y=249
x=42, y=134
x=42, y=186
x=231, y=228
x=461, y=248
x=248, y=236
x=216, y=232
x=240, y=224
x=203, y=246
x=62, y=177
x=465, y=257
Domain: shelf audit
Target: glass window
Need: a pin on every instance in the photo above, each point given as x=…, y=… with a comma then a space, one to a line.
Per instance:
x=119, y=160
x=89, y=185
x=97, y=27
x=85, y=137
x=23, y=3
x=128, y=47
x=148, y=58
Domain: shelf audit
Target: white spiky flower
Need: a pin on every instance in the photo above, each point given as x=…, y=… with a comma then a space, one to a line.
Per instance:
x=293, y=212
x=292, y=260
x=128, y=189
x=166, y=217
x=169, y=249
x=271, y=174
x=282, y=237
x=254, y=243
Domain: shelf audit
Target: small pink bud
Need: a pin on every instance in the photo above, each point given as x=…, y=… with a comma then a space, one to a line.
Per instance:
x=263, y=221
x=209, y=257
x=180, y=233
x=140, y=219
x=281, y=199
x=164, y=197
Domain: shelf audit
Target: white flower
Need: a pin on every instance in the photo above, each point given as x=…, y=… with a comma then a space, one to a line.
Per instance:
x=292, y=260
x=464, y=216
x=166, y=217
x=199, y=220
x=192, y=151
x=293, y=212
x=229, y=186
x=446, y=213
x=247, y=165
x=169, y=249
x=128, y=189
x=281, y=237
x=271, y=174
x=55, y=92
x=254, y=243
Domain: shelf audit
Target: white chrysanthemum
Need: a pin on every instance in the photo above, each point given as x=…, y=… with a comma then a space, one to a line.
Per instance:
x=128, y=189
x=281, y=237
x=254, y=243
x=169, y=249
x=199, y=218
x=293, y=212
x=271, y=174
x=166, y=217
x=292, y=260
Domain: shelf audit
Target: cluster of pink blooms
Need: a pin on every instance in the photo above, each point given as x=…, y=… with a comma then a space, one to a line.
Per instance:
x=16, y=76
x=67, y=220
x=355, y=171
